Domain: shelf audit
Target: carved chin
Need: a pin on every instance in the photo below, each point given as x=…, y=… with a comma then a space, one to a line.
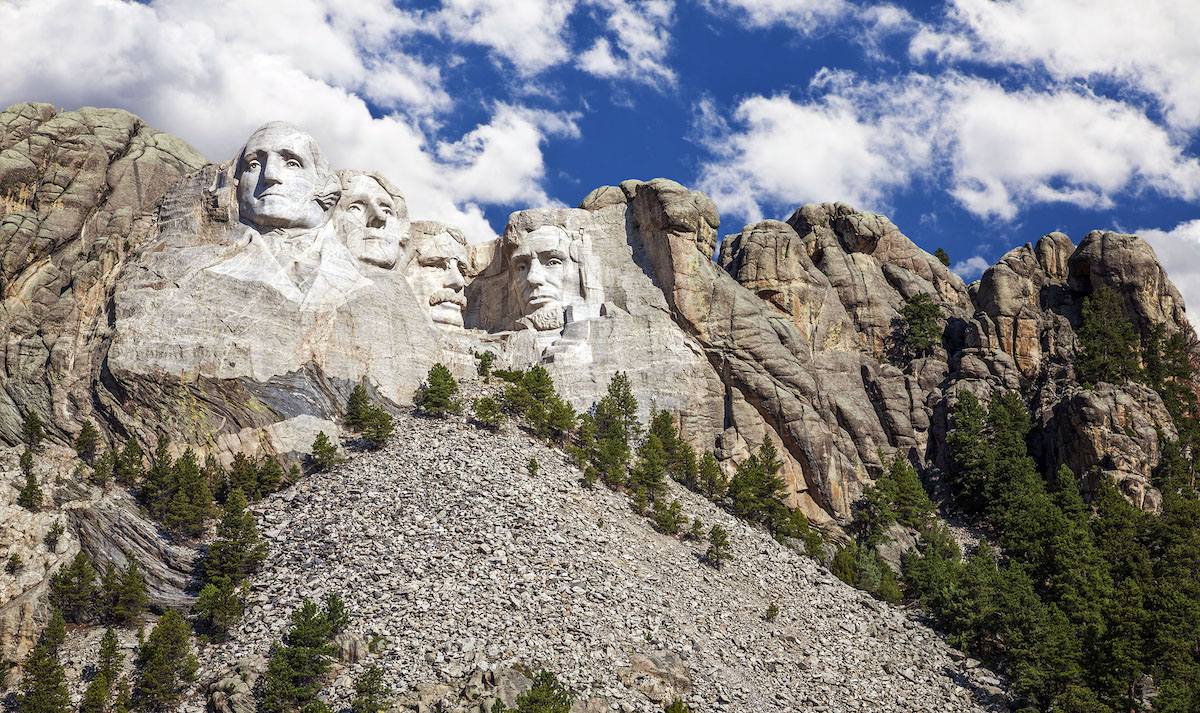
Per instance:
x=549, y=316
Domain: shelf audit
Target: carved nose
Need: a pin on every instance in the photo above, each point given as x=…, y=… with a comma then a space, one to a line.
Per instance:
x=375, y=217
x=271, y=172
x=454, y=277
x=536, y=274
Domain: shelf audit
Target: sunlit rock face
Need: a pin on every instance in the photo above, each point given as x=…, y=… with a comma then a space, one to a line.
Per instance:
x=438, y=274
x=373, y=220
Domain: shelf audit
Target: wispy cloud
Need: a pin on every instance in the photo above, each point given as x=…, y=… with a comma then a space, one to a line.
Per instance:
x=1178, y=251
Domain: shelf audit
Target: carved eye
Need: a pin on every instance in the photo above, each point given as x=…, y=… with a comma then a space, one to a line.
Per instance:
x=357, y=207
x=554, y=262
x=522, y=266
x=251, y=163
x=292, y=163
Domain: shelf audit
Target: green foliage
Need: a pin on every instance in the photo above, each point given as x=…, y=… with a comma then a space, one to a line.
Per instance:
x=532, y=467
x=436, y=396
x=43, y=687
x=697, y=531
x=484, y=367
x=183, y=496
x=238, y=550
x=102, y=471
x=772, y=612
x=357, y=408
x=1108, y=344
x=942, y=256
x=73, y=589
x=547, y=695
x=95, y=696
x=129, y=466
x=896, y=497
x=377, y=427
x=530, y=396
x=219, y=607
x=719, y=550
x=55, y=633
x=32, y=432
x=30, y=496
x=668, y=519
x=487, y=412
x=131, y=598
x=324, y=453
x=14, y=564
x=296, y=666
x=53, y=534
x=920, y=327
x=845, y=563
x=109, y=664
x=165, y=663
x=713, y=481
x=649, y=472
x=86, y=442
x=756, y=489
x=797, y=526
x=370, y=693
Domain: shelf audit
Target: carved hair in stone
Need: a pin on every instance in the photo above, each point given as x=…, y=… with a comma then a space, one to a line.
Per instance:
x=438, y=275
x=550, y=269
x=283, y=179
x=372, y=218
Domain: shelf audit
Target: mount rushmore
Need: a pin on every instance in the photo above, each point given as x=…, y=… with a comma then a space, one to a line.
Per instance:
x=233, y=306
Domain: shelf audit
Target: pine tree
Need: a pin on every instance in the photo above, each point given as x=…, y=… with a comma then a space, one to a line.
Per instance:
x=165, y=662
x=110, y=656
x=970, y=451
x=130, y=468
x=437, y=395
x=324, y=453
x=72, y=589
x=1107, y=341
x=243, y=475
x=95, y=697
x=32, y=432
x=214, y=475
x=487, y=412
x=30, y=496
x=546, y=695
x=755, y=488
x=15, y=564
x=102, y=471
x=191, y=504
x=43, y=686
x=55, y=633
x=668, y=519
x=942, y=256
x=110, y=591
x=684, y=468
x=719, y=550
x=649, y=473
x=86, y=442
x=238, y=550
x=920, y=328
x=158, y=490
x=218, y=605
x=370, y=693
x=270, y=476
x=713, y=481
x=377, y=426
x=132, y=598
x=296, y=666
x=357, y=408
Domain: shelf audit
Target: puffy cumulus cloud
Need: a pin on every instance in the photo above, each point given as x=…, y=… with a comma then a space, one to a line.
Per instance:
x=1178, y=251
x=530, y=34
x=994, y=149
x=1149, y=46
x=803, y=15
x=212, y=73
x=970, y=268
x=643, y=40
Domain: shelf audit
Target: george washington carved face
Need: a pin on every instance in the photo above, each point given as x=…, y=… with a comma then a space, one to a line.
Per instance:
x=283, y=179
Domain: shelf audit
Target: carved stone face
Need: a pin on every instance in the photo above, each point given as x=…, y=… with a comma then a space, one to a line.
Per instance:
x=279, y=175
x=544, y=273
x=436, y=277
x=373, y=221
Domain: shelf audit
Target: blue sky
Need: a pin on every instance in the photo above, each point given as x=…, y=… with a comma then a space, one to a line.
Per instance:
x=976, y=125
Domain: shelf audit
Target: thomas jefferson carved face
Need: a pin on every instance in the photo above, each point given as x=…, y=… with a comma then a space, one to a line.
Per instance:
x=545, y=276
x=373, y=220
x=283, y=180
x=437, y=278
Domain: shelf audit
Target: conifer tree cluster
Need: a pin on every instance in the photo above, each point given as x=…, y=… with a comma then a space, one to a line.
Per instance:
x=119, y=597
x=165, y=663
x=531, y=397
x=436, y=396
x=296, y=666
x=1078, y=602
x=30, y=495
x=43, y=687
x=237, y=552
x=368, y=419
x=920, y=328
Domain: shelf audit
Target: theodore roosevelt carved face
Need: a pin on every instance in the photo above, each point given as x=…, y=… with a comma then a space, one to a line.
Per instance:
x=437, y=276
x=283, y=179
x=373, y=218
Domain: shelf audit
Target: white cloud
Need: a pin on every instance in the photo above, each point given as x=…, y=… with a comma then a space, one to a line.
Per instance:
x=212, y=73
x=1149, y=46
x=531, y=34
x=802, y=15
x=1178, y=252
x=970, y=268
x=642, y=31
x=996, y=150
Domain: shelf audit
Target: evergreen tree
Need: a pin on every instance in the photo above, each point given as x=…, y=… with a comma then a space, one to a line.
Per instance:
x=243, y=476
x=55, y=633
x=370, y=693
x=86, y=442
x=1107, y=341
x=31, y=430
x=649, y=473
x=72, y=589
x=668, y=518
x=102, y=471
x=110, y=591
x=214, y=475
x=969, y=451
x=487, y=412
x=158, y=489
x=296, y=666
x=238, y=550
x=30, y=496
x=324, y=453
x=129, y=467
x=713, y=481
x=377, y=426
x=920, y=328
x=756, y=488
x=165, y=663
x=357, y=409
x=942, y=256
x=132, y=598
x=719, y=550
x=43, y=686
x=95, y=697
x=219, y=607
x=684, y=468
x=53, y=534
x=546, y=695
x=270, y=476
x=437, y=394
x=484, y=368
x=191, y=504
x=109, y=664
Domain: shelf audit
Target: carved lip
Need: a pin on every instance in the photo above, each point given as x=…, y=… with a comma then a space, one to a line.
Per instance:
x=542, y=299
